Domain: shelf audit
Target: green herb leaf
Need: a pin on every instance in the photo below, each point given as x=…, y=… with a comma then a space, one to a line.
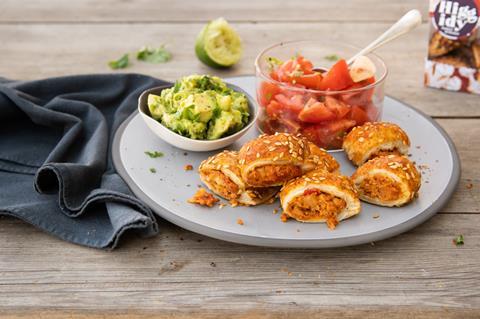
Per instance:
x=273, y=62
x=153, y=170
x=332, y=57
x=120, y=63
x=458, y=240
x=154, y=154
x=158, y=55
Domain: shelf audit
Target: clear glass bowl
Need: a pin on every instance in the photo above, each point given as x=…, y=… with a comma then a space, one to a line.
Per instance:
x=280, y=102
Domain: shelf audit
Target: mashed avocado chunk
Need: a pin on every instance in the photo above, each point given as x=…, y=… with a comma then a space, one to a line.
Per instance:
x=200, y=107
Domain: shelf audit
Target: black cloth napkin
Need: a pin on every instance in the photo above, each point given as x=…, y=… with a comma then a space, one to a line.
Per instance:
x=56, y=171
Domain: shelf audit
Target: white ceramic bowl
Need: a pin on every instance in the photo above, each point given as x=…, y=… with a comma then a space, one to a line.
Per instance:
x=186, y=143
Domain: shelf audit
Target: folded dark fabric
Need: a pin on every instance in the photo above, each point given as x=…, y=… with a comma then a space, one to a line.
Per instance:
x=56, y=171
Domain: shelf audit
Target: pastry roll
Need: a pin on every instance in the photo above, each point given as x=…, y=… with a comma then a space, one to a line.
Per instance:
x=375, y=139
x=390, y=180
x=272, y=160
x=221, y=174
x=320, y=196
x=319, y=158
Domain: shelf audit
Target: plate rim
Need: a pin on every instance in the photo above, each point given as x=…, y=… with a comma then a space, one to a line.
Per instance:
x=389, y=232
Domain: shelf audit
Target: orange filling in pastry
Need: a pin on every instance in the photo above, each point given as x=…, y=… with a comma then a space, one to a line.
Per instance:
x=380, y=187
x=380, y=153
x=270, y=174
x=222, y=184
x=314, y=204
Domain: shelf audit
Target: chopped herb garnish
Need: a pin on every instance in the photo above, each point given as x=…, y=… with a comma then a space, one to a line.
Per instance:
x=120, y=63
x=332, y=57
x=154, y=154
x=153, y=170
x=152, y=55
x=458, y=240
x=268, y=96
x=273, y=62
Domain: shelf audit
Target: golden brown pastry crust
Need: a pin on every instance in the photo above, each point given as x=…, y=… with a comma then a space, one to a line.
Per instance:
x=396, y=170
x=221, y=174
x=363, y=142
x=319, y=158
x=272, y=160
x=336, y=185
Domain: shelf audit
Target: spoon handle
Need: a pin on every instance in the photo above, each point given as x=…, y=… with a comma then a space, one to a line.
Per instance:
x=409, y=21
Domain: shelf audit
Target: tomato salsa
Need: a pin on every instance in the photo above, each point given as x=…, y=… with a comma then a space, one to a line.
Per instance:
x=322, y=105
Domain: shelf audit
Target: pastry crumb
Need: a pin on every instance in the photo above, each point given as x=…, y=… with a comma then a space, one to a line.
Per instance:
x=203, y=198
x=221, y=206
x=188, y=167
x=284, y=217
x=469, y=186
x=240, y=221
x=275, y=210
x=375, y=216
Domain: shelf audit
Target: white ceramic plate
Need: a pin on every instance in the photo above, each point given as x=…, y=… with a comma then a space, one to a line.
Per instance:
x=167, y=190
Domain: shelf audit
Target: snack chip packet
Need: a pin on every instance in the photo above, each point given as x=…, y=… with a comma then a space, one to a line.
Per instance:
x=453, y=61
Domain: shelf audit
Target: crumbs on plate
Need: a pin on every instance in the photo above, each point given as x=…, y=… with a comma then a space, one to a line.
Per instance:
x=240, y=221
x=188, y=167
x=203, y=198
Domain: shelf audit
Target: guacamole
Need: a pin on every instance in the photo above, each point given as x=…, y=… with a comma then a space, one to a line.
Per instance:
x=200, y=107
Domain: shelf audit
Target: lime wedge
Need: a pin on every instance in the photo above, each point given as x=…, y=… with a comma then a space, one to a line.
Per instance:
x=218, y=45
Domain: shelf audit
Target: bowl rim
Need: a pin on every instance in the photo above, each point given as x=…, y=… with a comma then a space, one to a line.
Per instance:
x=260, y=72
x=252, y=120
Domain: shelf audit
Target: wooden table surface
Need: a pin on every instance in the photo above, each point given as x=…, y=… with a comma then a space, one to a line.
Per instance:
x=417, y=274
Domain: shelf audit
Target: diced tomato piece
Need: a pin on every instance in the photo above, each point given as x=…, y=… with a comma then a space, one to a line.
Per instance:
x=284, y=71
x=294, y=70
x=337, y=106
x=361, y=97
x=305, y=65
x=329, y=134
x=274, y=108
x=319, y=135
x=310, y=81
x=266, y=92
x=314, y=112
x=359, y=115
x=341, y=125
x=274, y=75
x=293, y=103
x=337, y=78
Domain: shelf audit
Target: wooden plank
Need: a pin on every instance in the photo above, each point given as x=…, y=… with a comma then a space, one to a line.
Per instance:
x=45, y=50
x=192, y=10
x=344, y=313
x=182, y=271
x=467, y=195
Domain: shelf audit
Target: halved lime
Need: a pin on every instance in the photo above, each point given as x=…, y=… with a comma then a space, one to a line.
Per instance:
x=218, y=44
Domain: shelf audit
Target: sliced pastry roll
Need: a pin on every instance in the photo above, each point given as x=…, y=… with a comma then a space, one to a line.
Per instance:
x=375, y=139
x=390, y=180
x=319, y=158
x=272, y=160
x=320, y=196
x=221, y=174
